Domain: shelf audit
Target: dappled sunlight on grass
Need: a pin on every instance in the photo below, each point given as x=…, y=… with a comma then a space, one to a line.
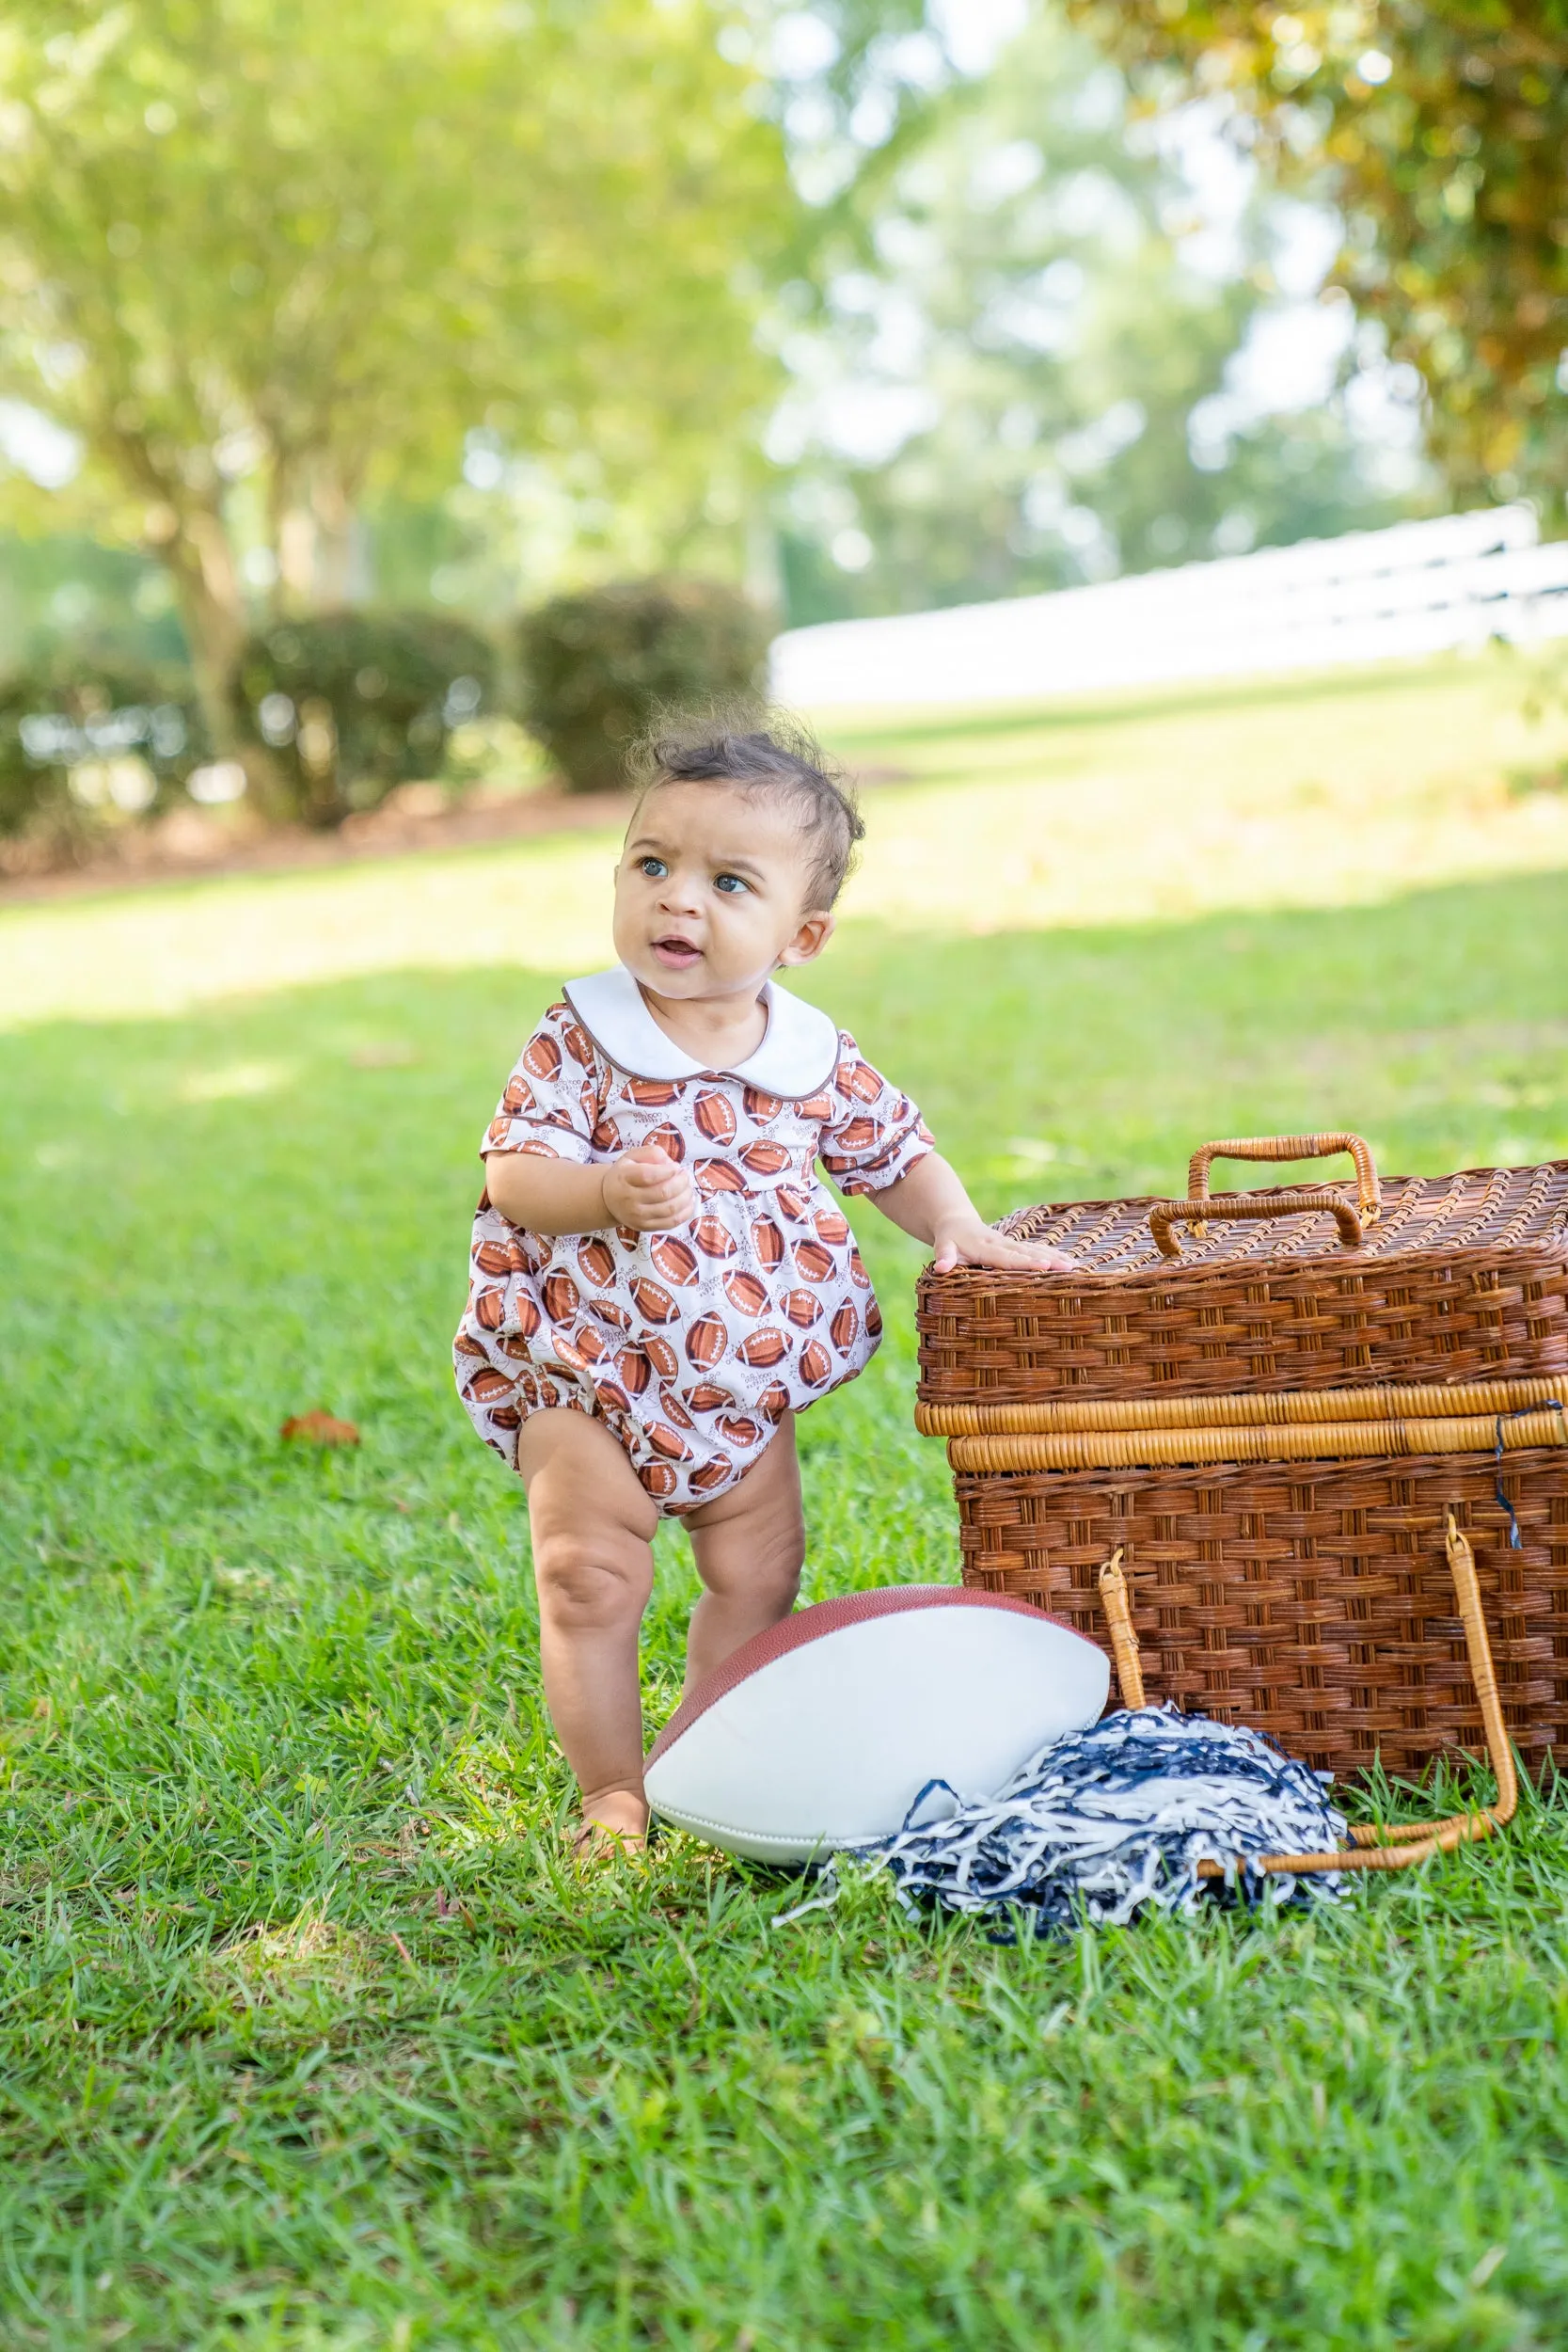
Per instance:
x=1319, y=793
x=1320, y=796
x=543, y=905
x=262, y=1961
x=233, y=1081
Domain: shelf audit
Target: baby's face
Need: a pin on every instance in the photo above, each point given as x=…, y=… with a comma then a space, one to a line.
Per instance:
x=710, y=893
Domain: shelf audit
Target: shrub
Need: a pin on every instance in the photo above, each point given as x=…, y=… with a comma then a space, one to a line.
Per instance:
x=598, y=667
x=350, y=704
x=81, y=744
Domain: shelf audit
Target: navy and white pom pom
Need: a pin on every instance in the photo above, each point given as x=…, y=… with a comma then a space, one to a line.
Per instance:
x=1105, y=1820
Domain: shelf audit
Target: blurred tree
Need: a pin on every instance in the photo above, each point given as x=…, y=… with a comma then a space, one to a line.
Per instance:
x=271, y=259
x=1441, y=129
x=1010, y=357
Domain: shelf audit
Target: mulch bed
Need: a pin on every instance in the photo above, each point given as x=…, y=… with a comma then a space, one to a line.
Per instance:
x=192, y=845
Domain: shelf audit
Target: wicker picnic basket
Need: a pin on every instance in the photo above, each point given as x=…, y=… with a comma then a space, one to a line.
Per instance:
x=1269, y=1403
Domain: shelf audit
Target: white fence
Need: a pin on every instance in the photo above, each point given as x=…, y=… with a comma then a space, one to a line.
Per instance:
x=1417, y=589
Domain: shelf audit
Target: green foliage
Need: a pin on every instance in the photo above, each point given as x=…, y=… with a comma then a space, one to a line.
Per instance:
x=598, y=667
x=1015, y=286
x=82, y=741
x=296, y=253
x=349, y=704
x=1442, y=130
x=308, y=2037
x=67, y=593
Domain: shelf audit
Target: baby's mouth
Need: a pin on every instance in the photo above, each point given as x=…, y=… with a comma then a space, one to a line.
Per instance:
x=676, y=955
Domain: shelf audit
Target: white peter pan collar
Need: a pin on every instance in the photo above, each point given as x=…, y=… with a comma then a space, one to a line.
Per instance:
x=798, y=1054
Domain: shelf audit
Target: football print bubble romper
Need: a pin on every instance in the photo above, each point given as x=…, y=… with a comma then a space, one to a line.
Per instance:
x=690, y=1344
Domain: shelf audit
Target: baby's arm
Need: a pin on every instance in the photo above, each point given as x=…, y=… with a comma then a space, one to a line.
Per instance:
x=931, y=1203
x=643, y=1189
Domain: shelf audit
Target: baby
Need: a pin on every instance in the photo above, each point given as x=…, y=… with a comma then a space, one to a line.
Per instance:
x=660, y=1281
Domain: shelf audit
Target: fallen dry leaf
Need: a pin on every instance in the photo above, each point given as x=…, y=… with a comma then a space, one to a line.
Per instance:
x=319, y=1428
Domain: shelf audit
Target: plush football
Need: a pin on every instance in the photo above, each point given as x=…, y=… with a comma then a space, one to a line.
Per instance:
x=823, y=1730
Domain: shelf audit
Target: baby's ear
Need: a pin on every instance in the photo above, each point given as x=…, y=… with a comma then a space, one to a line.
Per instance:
x=809, y=941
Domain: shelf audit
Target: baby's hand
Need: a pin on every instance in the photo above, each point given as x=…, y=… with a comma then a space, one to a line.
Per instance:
x=970, y=1243
x=648, y=1191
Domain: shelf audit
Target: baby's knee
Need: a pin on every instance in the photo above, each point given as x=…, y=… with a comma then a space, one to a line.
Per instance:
x=587, y=1583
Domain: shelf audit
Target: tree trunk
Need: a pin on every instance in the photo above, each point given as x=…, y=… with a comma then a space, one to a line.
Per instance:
x=206, y=583
x=201, y=563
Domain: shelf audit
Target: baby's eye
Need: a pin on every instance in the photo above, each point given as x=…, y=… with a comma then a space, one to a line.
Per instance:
x=654, y=867
x=730, y=883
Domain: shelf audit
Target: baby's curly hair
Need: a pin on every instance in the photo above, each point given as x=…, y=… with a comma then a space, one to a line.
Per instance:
x=761, y=750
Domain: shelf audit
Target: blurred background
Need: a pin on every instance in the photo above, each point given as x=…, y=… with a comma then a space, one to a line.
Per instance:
x=394, y=402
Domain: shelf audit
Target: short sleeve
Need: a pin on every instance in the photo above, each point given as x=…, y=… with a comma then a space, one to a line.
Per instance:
x=873, y=1135
x=552, y=1103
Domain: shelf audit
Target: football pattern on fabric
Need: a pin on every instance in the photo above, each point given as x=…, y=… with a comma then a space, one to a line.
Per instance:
x=729, y=1310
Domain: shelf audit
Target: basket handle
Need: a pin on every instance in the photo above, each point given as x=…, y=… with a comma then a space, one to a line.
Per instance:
x=1249, y=1208
x=1320, y=1147
x=1394, y=1847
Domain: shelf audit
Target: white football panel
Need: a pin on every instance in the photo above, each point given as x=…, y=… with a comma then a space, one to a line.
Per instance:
x=832, y=1741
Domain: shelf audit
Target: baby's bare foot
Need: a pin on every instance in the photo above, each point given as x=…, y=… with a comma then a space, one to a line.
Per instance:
x=615, y=1822
x=596, y=1842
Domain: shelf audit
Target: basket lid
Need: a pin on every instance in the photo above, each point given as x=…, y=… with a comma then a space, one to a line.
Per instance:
x=1486, y=1209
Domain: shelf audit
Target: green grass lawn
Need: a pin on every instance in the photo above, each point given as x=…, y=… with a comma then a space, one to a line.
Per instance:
x=1304, y=791
x=307, y=2037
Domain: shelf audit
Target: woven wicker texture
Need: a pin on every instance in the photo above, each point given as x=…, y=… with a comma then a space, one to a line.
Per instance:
x=1311, y=1599
x=1375, y=1845
x=1114, y=1448
x=1463, y=1277
x=1254, y=1408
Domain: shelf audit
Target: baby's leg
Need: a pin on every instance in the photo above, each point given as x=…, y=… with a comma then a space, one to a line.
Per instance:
x=593, y=1528
x=748, y=1543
